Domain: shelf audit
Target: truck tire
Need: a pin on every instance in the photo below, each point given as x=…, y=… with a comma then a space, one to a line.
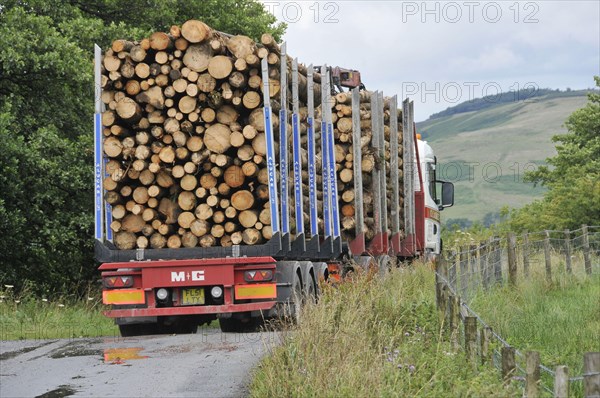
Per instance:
x=311, y=291
x=296, y=302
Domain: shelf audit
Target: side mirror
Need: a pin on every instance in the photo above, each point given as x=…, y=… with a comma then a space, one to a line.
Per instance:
x=447, y=194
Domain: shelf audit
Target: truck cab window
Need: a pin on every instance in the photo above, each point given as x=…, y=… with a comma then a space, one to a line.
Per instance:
x=431, y=180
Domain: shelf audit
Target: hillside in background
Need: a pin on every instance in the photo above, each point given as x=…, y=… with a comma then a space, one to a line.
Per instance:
x=485, y=146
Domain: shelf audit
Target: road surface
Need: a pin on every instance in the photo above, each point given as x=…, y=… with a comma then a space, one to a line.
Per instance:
x=207, y=364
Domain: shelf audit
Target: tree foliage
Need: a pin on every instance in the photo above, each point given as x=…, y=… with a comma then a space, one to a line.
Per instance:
x=572, y=176
x=46, y=108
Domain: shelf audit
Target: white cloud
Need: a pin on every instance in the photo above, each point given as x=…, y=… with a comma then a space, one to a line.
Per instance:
x=395, y=42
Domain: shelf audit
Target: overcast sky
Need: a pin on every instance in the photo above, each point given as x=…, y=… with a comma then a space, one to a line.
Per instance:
x=442, y=53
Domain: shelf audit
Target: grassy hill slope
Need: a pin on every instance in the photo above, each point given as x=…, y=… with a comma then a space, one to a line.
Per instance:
x=486, y=152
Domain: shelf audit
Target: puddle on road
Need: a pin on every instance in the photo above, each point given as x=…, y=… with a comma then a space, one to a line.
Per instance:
x=11, y=354
x=120, y=355
x=62, y=391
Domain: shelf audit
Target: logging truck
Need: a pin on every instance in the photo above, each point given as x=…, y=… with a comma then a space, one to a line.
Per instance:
x=231, y=180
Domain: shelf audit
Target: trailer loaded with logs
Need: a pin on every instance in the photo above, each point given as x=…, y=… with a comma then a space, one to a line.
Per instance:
x=231, y=179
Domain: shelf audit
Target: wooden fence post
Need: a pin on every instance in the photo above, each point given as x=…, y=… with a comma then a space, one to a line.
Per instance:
x=568, y=251
x=591, y=374
x=586, y=250
x=547, y=256
x=508, y=364
x=561, y=382
x=452, y=270
x=470, y=324
x=532, y=376
x=498, y=260
x=486, y=337
x=512, y=259
x=483, y=258
x=473, y=263
x=526, y=254
x=464, y=272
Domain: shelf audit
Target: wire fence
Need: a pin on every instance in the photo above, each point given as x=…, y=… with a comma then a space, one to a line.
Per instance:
x=474, y=269
x=499, y=260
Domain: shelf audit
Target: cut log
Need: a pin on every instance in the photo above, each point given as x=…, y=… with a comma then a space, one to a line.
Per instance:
x=160, y=41
x=207, y=241
x=197, y=57
x=137, y=54
x=129, y=110
x=241, y=46
x=267, y=232
x=345, y=175
x=112, y=147
x=140, y=195
x=158, y=241
x=248, y=218
x=125, y=240
x=142, y=242
x=217, y=231
x=242, y=200
x=188, y=182
x=265, y=216
x=208, y=115
x=251, y=100
x=203, y=211
x=234, y=176
x=189, y=240
x=226, y=241
x=227, y=115
x=206, y=83
x=245, y=153
x=132, y=223
x=195, y=31
x=251, y=236
x=185, y=219
x=111, y=63
x=236, y=139
x=169, y=210
x=142, y=70
x=237, y=79
x=220, y=66
x=259, y=144
x=187, y=104
x=186, y=200
x=216, y=138
x=250, y=169
x=199, y=227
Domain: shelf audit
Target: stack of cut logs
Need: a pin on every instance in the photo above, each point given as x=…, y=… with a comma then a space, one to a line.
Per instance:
x=185, y=142
x=370, y=161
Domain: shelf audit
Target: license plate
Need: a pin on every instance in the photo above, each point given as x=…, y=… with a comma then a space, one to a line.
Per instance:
x=192, y=297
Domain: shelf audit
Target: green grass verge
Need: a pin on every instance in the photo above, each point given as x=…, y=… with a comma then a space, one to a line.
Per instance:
x=22, y=316
x=373, y=337
x=560, y=320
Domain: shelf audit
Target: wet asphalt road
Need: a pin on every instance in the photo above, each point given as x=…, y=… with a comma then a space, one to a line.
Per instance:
x=206, y=364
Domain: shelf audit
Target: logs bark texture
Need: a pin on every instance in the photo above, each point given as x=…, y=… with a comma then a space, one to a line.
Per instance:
x=185, y=143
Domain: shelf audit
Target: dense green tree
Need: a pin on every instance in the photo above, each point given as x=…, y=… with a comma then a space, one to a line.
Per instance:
x=46, y=107
x=572, y=176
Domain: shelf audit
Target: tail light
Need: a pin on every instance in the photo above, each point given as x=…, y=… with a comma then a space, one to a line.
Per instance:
x=258, y=276
x=112, y=282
